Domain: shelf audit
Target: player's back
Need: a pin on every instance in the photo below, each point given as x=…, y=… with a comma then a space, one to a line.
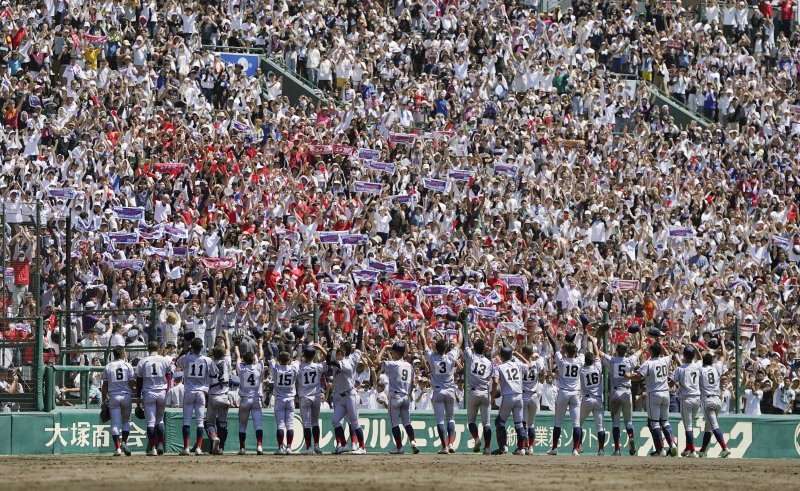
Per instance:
x=153, y=370
x=709, y=381
x=345, y=373
x=400, y=374
x=569, y=373
x=592, y=380
x=481, y=371
x=310, y=378
x=509, y=375
x=250, y=377
x=687, y=377
x=618, y=367
x=221, y=382
x=197, y=372
x=284, y=378
x=118, y=374
x=530, y=376
x=442, y=368
x=657, y=374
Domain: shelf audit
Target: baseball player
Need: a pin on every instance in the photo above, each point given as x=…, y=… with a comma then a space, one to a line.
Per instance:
x=621, y=401
x=710, y=375
x=198, y=372
x=401, y=385
x=686, y=377
x=531, y=391
x=655, y=373
x=250, y=369
x=153, y=376
x=568, y=365
x=284, y=373
x=218, y=396
x=442, y=364
x=508, y=379
x=118, y=382
x=309, y=388
x=343, y=395
x=480, y=377
x=592, y=395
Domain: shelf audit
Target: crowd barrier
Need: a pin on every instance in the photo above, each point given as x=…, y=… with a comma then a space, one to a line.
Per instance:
x=80, y=431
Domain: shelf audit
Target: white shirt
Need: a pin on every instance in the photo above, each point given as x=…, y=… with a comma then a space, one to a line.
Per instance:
x=752, y=402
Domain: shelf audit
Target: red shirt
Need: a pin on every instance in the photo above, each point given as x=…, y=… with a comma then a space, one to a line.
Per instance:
x=787, y=10
x=22, y=270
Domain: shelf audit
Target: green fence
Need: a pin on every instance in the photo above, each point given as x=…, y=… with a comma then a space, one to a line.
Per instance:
x=81, y=432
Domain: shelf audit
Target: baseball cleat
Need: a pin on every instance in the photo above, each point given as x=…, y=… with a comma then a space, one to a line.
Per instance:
x=691, y=455
x=215, y=446
x=443, y=451
x=576, y=453
x=288, y=451
x=451, y=449
x=125, y=449
x=701, y=455
x=631, y=447
x=414, y=448
x=662, y=453
x=724, y=454
x=221, y=452
x=499, y=451
x=396, y=451
x=185, y=451
x=616, y=453
x=519, y=451
x=280, y=451
x=486, y=451
x=152, y=453
x=160, y=449
x=242, y=451
x=552, y=451
x=477, y=447
x=117, y=452
x=307, y=451
x=340, y=449
x=685, y=453
x=601, y=452
x=673, y=451
x=198, y=450
x=317, y=450
x=259, y=450
x=359, y=451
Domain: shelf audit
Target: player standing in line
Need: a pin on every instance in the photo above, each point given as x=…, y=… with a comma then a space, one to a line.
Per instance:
x=710, y=375
x=686, y=377
x=442, y=364
x=508, y=379
x=655, y=372
x=568, y=366
x=344, y=397
x=309, y=387
x=198, y=371
x=480, y=377
x=218, y=400
x=531, y=392
x=250, y=369
x=284, y=373
x=118, y=382
x=621, y=401
x=153, y=376
x=592, y=392
x=400, y=375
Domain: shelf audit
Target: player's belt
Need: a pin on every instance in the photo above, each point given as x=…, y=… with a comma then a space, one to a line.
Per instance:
x=345, y=394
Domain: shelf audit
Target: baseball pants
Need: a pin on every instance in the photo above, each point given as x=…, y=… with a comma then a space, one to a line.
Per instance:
x=571, y=401
x=658, y=406
x=621, y=402
x=530, y=405
x=399, y=407
x=250, y=407
x=155, y=404
x=593, y=406
x=284, y=414
x=512, y=404
x=309, y=411
x=194, y=403
x=444, y=403
x=689, y=408
x=478, y=401
x=120, y=408
x=711, y=408
x=218, y=406
x=344, y=405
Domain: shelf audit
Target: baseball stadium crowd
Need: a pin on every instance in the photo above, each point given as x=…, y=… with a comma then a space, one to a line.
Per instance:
x=489, y=156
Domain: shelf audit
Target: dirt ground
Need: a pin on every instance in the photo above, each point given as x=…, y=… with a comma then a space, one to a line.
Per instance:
x=381, y=471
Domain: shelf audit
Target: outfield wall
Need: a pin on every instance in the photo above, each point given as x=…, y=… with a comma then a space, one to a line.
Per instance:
x=78, y=431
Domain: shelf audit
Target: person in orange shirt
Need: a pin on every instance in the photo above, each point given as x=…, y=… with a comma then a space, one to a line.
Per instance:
x=649, y=306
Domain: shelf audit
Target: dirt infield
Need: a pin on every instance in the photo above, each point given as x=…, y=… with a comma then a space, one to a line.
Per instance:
x=379, y=472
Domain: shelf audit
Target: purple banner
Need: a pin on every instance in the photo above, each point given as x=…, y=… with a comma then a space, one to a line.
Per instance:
x=354, y=239
x=401, y=198
x=329, y=237
x=367, y=187
x=176, y=232
x=509, y=170
x=681, y=232
x=333, y=289
x=461, y=175
x=368, y=154
x=129, y=213
x=132, y=264
x=65, y=193
x=433, y=290
x=126, y=238
x=366, y=275
x=387, y=167
x=402, y=138
x=405, y=284
x=388, y=267
x=438, y=185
